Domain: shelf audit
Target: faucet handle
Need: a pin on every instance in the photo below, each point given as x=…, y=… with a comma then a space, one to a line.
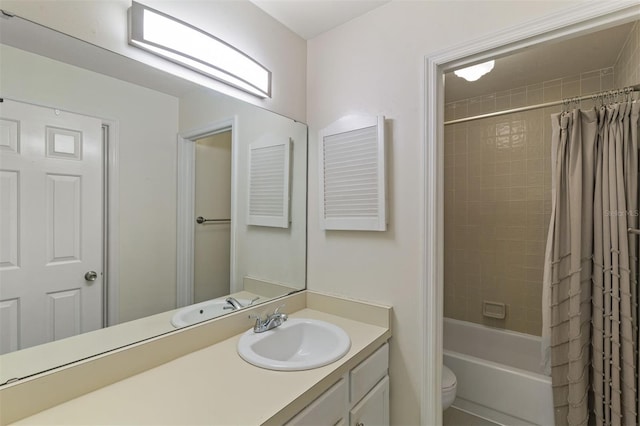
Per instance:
x=277, y=311
x=256, y=317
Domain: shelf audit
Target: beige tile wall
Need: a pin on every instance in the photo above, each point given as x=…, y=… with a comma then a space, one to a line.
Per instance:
x=627, y=67
x=497, y=200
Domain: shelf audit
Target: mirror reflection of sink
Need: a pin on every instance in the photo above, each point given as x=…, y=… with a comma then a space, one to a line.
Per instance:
x=298, y=344
x=203, y=311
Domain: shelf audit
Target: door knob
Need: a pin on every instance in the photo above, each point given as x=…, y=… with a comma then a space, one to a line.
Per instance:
x=91, y=276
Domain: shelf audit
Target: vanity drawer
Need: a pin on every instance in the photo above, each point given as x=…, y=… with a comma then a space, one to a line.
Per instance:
x=369, y=372
x=328, y=409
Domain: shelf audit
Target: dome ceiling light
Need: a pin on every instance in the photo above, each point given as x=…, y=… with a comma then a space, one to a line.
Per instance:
x=474, y=72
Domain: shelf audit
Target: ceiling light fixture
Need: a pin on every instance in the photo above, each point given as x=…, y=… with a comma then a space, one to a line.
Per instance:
x=474, y=72
x=172, y=39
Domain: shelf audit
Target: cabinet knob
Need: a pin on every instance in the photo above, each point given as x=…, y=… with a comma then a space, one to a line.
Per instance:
x=359, y=424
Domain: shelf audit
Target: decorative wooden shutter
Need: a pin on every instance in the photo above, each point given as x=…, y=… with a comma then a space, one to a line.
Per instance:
x=269, y=177
x=352, y=175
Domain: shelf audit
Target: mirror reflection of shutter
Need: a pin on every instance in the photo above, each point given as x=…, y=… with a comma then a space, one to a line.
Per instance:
x=352, y=175
x=269, y=182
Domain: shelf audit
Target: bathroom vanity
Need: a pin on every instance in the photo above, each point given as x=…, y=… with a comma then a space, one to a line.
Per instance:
x=361, y=397
x=214, y=385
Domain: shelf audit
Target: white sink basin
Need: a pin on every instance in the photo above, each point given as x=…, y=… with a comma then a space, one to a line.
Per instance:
x=298, y=344
x=203, y=311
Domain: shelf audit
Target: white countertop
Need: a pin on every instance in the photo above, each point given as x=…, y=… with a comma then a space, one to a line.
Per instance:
x=39, y=358
x=214, y=386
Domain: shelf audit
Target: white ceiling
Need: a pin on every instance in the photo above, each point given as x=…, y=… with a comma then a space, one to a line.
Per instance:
x=545, y=62
x=309, y=18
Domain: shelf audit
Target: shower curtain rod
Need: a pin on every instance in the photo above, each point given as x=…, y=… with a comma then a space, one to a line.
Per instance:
x=545, y=105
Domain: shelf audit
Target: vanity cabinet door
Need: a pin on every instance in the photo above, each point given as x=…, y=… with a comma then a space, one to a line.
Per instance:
x=373, y=409
x=328, y=409
x=369, y=372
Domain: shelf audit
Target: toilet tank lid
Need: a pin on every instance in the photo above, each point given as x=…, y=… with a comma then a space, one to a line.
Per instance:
x=448, y=378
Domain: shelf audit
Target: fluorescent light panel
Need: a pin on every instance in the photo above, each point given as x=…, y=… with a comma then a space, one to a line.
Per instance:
x=187, y=45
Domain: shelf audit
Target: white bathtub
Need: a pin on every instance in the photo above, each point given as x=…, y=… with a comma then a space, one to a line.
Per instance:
x=498, y=373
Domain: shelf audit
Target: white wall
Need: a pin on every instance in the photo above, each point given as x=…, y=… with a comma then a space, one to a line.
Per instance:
x=381, y=58
x=271, y=254
x=147, y=124
x=239, y=23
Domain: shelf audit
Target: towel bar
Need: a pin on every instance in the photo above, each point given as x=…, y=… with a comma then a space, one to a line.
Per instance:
x=201, y=219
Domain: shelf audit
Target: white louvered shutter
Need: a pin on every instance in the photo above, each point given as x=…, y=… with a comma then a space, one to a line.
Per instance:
x=352, y=175
x=269, y=177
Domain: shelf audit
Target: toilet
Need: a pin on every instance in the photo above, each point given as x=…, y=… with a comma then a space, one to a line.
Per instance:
x=449, y=384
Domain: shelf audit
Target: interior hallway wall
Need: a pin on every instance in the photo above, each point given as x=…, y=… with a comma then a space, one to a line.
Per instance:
x=375, y=65
x=275, y=255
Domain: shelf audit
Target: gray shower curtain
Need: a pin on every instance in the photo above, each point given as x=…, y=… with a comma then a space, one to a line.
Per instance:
x=590, y=297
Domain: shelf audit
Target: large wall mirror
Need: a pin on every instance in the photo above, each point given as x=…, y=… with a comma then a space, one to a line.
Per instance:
x=106, y=166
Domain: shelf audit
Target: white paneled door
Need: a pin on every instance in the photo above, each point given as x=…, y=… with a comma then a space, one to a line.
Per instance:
x=51, y=226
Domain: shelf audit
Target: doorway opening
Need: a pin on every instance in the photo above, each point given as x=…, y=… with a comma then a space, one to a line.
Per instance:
x=557, y=27
x=212, y=203
x=206, y=208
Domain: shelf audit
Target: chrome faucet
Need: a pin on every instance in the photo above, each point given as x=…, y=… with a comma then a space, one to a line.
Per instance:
x=273, y=320
x=233, y=302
